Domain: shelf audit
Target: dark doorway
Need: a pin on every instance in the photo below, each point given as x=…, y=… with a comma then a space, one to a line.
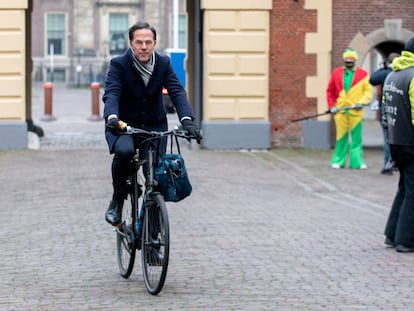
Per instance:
x=388, y=47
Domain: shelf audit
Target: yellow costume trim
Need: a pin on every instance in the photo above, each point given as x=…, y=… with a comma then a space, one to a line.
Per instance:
x=350, y=54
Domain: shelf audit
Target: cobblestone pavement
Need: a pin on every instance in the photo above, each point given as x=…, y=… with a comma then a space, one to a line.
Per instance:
x=272, y=230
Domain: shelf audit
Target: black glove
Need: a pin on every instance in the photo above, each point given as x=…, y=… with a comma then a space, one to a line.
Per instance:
x=359, y=106
x=192, y=129
x=333, y=110
x=112, y=125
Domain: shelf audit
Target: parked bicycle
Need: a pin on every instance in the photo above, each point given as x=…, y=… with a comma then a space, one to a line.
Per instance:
x=145, y=223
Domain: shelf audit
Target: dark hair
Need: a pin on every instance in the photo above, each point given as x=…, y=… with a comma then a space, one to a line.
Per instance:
x=141, y=25
x=409, y=46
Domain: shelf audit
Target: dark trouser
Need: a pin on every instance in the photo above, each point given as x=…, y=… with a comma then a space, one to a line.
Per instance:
x=382, y=121
x=387, y=156
x=400, y=224
x=124, y=150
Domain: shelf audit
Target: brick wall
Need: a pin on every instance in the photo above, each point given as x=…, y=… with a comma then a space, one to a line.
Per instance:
x=289, y=66
x=365, y=16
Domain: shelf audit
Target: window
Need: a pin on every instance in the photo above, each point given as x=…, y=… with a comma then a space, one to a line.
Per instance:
x=118, y=29
x=182, y=31
x=56, y=33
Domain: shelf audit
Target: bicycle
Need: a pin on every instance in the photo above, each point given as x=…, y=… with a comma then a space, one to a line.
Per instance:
x=145, y=223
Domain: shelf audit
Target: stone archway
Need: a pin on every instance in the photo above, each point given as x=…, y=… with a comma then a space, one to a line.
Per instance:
x=392, y=32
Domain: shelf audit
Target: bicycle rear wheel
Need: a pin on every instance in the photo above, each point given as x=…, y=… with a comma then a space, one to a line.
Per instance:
x=125, y=238
x=155, y=244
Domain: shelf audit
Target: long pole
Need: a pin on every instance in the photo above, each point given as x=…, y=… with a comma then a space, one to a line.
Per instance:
x=357, y=106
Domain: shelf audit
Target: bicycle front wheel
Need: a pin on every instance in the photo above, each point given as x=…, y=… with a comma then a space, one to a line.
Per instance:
x=155, y=244
x=125, y=238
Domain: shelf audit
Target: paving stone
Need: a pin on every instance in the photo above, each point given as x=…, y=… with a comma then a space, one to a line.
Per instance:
x=273, y=230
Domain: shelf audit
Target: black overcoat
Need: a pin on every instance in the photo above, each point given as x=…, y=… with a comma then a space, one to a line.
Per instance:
x=142, y=106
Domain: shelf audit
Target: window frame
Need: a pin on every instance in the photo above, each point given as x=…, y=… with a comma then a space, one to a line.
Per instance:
x=64, y=39
x=120, y=33
x=182, y=31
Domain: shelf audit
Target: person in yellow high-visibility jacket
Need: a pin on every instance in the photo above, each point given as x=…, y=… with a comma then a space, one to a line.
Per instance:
x=348, y=86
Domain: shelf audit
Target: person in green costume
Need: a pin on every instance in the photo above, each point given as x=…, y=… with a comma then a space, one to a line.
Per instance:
x=348, y=87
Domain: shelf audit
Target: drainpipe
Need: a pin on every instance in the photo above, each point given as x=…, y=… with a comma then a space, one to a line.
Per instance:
x=31, y=127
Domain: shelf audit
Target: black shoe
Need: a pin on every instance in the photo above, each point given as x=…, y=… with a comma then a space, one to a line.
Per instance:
x=404, y=249
x=389, y=242
x=385, y=171
x=114, y=213
x=390, y=165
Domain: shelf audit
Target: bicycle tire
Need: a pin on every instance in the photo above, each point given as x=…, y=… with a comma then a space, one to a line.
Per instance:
x=126, y=237
x=155, y=244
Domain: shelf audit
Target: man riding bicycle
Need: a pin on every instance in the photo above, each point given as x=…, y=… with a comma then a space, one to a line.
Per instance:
x=133, y=94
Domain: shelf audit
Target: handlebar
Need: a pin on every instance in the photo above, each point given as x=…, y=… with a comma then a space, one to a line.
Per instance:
x=177, y=131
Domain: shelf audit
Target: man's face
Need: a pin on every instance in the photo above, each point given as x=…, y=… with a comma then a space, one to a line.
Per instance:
x=143, y=44
x=349, y=63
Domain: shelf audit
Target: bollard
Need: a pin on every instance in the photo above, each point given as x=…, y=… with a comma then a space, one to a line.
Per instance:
x=48, y=90
x=95, y=87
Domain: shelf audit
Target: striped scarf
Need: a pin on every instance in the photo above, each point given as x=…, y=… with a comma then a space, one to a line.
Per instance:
x=145, y=70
